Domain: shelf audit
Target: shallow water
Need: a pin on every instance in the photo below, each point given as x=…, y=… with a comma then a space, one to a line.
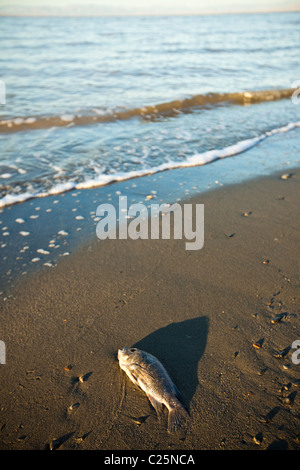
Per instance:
x=92, y=100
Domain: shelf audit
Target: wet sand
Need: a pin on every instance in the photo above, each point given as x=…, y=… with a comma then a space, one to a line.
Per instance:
x=207, y=315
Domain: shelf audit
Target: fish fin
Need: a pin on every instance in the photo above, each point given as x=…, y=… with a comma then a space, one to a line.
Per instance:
x=178, y=416
x=156, y=405
x=132, y=377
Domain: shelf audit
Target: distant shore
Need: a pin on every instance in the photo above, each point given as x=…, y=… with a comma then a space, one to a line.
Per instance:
x=221, y=319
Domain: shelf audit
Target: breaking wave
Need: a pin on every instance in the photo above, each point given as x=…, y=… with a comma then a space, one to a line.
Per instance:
x=151, y=112
x=193, y=160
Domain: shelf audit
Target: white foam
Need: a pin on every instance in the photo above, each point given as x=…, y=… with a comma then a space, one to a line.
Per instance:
x=10, y=199
x=30, y=120
x=6, y=175
x=18, y=121
x=61, y=188
x=67, y=117
x=104, y=179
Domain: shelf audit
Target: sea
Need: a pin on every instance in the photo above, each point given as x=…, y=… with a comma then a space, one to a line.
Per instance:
x=91, y=102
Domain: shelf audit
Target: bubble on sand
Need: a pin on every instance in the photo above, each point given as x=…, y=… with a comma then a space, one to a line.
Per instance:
x=43, y=252
x=24, y=234
x=63, y=233
x=20, y=221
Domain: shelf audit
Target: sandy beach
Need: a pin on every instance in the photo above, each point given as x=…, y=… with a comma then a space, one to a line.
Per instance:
x=206, y=314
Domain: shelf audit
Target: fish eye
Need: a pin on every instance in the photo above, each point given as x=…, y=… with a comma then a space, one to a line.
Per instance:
x=132, y=349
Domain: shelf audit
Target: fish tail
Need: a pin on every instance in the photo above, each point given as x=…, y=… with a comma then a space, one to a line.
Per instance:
x=178, y=416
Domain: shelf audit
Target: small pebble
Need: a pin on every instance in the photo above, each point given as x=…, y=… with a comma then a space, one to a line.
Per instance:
x=278, y=318
x=281, y=353
x=140, y=420
x=72, y=407
x=262, y=371
x=286, y=176
x=258, y=439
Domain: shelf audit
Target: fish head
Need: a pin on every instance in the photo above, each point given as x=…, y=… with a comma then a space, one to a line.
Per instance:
x=128, y=355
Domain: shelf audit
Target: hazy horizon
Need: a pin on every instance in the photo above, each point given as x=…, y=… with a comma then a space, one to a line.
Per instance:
x=140, y=8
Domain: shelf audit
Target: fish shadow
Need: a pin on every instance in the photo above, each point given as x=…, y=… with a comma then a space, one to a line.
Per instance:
x=179, y=347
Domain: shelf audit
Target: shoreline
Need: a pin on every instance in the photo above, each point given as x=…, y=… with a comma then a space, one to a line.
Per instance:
x=39, y=232
x=207, y=315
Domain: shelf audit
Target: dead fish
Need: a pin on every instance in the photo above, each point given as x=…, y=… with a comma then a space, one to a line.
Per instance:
x=149, y=374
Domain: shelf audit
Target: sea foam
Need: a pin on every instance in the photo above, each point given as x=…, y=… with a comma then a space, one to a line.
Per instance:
x=193, y=160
